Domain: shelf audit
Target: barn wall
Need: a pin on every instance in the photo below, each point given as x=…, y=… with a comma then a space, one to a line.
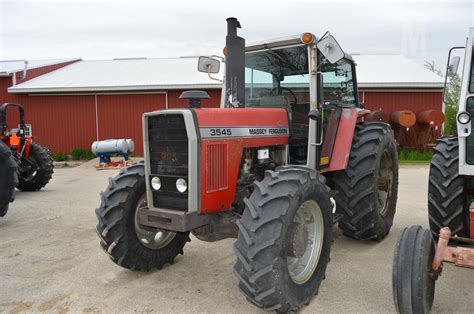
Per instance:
x=213, y=102
x=391, y=101
x=68, y=121
x=120, y=116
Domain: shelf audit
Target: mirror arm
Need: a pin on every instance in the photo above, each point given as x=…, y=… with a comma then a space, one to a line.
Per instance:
x=213, y=78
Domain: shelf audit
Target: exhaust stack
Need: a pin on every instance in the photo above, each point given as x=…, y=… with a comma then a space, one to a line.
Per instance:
x=234, y=66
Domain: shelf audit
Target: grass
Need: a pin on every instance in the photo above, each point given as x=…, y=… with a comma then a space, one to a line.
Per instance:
x=59, y=156
x=412, y=156
x=81, y=154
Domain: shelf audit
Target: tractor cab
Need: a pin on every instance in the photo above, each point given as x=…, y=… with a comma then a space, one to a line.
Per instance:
x=312, y=79
x=280, y=77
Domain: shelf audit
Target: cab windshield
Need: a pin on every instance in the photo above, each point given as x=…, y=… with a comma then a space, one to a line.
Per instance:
x=277, y=78
x=280, y=78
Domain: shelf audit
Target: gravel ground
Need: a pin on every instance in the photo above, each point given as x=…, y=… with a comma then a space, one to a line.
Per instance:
x=50, y=260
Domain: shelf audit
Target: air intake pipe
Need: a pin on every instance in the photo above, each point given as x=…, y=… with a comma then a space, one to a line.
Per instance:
x=234, y=65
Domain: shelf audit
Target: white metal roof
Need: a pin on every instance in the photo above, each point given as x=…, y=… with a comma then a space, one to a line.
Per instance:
x=7, y=67
x=121, y=75
x=373, y=71
x=394, y=71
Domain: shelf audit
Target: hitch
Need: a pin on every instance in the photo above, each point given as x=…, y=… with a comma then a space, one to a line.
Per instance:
x=459, y=256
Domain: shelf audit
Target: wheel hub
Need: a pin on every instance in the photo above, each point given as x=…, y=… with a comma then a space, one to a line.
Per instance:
x=385, y=183
x=298, y=240
x=152, y=238
x=305, y=242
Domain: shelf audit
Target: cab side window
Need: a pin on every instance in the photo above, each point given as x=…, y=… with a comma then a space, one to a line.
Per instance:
x=338, y=83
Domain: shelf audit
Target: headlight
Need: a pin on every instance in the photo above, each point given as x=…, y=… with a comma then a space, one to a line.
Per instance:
x=464, y=117
x=181, y=185
x=156, y=183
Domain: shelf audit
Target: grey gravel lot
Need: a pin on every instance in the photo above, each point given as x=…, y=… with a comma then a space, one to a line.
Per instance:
x=50, y=260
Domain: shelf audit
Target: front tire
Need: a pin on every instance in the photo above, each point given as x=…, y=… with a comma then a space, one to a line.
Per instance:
x=8, y=178
x=447, y=203
x=128, y=244
x=284, y=240
x=413, y=278
x=367, y=189
x=39, y=175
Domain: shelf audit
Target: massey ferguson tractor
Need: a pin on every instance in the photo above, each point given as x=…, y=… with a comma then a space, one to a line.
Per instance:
x=23, y=163
x=289, y=136
x=418, y=262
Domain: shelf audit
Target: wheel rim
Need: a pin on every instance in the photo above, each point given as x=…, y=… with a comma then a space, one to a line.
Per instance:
x=385, y=183
x=31, y=172
x=305, y=242
x=152, y=238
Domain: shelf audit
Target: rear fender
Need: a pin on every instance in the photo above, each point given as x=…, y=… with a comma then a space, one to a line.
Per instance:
x=343, y=143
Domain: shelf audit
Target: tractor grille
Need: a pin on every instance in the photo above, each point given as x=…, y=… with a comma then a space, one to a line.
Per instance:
x=168, y=153
x=216, y=164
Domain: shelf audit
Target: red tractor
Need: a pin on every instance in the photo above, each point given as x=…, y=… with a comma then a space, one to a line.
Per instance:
x=289, y=136
x=23, y=163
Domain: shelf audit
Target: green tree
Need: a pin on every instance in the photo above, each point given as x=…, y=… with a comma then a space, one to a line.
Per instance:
x=451, y=98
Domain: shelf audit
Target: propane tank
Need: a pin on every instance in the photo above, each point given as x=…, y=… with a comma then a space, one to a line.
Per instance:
x=131, y=145
x=112, y=146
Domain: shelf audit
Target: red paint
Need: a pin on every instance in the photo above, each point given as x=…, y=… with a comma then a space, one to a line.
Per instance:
x=391, y=101
x=343, y=144
x=216, y=199
x=242, y=117
x=120, y=116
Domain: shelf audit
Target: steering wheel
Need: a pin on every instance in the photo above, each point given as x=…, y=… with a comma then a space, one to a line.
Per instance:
x=288, y=90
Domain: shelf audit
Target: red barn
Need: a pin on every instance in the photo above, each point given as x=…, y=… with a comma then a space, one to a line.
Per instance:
x=73, y=103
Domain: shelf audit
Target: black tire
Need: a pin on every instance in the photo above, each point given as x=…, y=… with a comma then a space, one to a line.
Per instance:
x=366, y=214
x=116, y=227
x=44, y=167
x=413, y=287
x=264, y=229
x=447, y=203
x=8, y=178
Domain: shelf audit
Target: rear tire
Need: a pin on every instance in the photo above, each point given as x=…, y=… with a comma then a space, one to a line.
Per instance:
x=8, y=178
x=367, y=189
x=119, y=235
x=268, y=240
x=447, y=203
x=413, y=287
x=35, y=181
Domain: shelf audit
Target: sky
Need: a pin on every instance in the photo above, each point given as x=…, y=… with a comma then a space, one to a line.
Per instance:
x=422, y=30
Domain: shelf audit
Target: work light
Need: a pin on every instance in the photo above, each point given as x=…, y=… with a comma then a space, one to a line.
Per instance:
x=464, y=117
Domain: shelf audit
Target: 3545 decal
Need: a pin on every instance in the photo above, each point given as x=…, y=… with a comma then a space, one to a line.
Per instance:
x=220, y=132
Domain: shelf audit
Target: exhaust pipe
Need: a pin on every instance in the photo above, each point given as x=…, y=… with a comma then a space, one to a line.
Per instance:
x=234, y=66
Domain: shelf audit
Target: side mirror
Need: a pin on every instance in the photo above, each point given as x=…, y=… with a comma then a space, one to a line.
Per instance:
x=314, y=114
x=330, y=49
x=208, y=65
x=453, y=66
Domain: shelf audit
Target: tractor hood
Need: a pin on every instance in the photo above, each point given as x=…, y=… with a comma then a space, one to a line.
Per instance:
x=243, y=122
